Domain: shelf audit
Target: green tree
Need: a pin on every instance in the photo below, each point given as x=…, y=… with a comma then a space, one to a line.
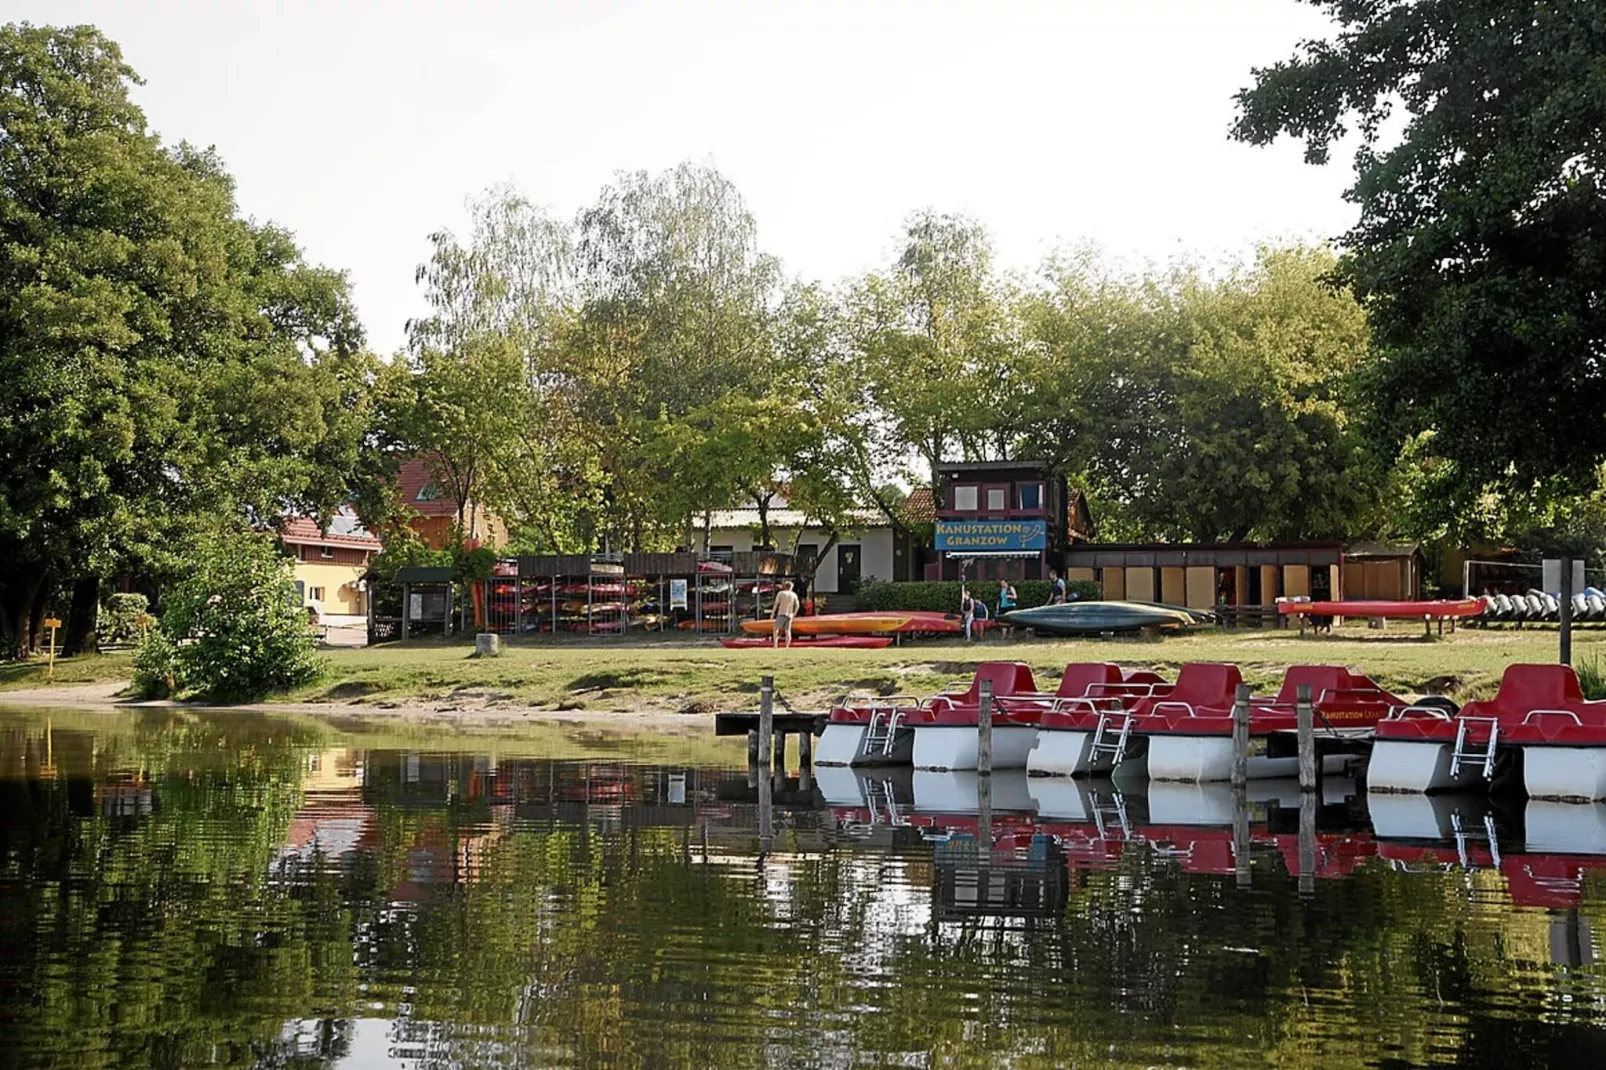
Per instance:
x=240, y=630
x=934, y=339
x=1481, y=247
x=164, y=364
x=1207, y=409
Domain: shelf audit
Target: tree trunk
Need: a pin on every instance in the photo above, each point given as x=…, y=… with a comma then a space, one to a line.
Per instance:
x=82, y=617
x=936, y=459
x=18, y=606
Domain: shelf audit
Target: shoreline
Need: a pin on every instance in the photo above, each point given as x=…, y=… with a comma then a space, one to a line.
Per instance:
x=469, y=714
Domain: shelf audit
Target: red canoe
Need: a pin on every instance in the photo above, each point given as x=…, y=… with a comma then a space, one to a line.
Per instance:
x=862, y=642
x=1468, y=607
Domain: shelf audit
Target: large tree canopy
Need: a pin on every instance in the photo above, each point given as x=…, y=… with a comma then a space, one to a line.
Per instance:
x=164, y=364
x=1481, y=248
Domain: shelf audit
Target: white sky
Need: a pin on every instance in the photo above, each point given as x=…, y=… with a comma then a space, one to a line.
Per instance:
x=363, y=125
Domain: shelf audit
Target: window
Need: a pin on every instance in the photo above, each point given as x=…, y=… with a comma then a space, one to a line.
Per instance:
x=326, y=552
x=965, y=499
x=1031, y=495
x=315, y=594
x=721, y=553
x=997, y=499
x=429, y=492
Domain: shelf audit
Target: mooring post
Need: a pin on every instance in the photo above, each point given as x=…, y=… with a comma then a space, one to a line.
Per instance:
x=1566, y=608
x=1240, y=737
x=1307, y=843
x=1240, y=836
x=766, y=721
x=805, y=748
x=752, y=746
x=1305, y=717
x=984, y=730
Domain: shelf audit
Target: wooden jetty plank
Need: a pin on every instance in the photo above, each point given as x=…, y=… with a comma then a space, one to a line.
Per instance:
x=741, y=722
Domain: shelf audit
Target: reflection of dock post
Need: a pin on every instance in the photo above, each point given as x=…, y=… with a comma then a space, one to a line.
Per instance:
x=984, y=730
x=805, y=760
x=1240, y=737
x=1306, y=719
x=984, y=821
x=766, y=812
x=766, y=721
x=1571, y=942
x=1307, y=843
x=1240, y=837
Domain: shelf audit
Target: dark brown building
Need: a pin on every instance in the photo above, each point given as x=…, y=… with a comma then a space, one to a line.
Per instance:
x=1005, y=520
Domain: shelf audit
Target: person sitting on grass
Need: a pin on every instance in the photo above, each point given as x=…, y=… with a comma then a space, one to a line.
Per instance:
x=786, y=607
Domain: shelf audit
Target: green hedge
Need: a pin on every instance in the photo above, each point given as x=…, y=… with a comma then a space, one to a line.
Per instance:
x=943, y=597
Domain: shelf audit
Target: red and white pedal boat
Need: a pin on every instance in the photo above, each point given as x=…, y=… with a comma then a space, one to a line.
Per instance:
x=1539, y=710
x=1187, y=734
x=1082, y=731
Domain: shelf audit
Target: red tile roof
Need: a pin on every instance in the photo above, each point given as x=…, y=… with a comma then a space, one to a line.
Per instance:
x=413, y=477
x=920, y=507
x=303, y=530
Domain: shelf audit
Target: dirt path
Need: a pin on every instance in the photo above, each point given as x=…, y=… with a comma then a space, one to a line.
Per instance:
x=464, y=711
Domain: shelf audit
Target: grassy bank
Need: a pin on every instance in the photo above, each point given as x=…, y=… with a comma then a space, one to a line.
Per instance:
x=690, y=676
x=94, y=669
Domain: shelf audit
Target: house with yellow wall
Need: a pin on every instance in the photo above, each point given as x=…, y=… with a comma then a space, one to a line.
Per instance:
x=330, y=566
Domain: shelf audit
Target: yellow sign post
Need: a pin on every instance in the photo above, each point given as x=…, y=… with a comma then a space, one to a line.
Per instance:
x=50, y=668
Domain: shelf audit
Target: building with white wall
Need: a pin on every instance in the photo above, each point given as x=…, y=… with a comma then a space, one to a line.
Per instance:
x=868, y=550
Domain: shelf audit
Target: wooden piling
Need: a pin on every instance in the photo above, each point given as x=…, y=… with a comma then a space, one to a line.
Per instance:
x=1307, y=843
x=1306, y=720
x=984, y=821
x=766, y=722
x=984, y=729
x=1240, y=737
x=805, y=749
x=780, y=752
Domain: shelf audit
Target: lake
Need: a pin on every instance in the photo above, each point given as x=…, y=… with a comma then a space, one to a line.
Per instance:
x=212, y=889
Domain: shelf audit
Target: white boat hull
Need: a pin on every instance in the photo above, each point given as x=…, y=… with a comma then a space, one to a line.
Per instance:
x=1400, y=816
x=1060, y=798
x=1414, y=767
x=1565, y=773
x=839, y=786
x=843, y=744
x=1064, y=753
x=839, y=744
x=948, y=747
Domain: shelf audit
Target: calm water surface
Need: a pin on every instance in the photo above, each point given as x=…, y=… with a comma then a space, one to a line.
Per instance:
x=217, y=890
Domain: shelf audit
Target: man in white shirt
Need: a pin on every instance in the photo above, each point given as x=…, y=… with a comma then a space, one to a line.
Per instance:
x=786, y=607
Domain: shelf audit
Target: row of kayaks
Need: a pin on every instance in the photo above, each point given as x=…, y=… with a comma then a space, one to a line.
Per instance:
x=1540, y=606
x=1099, y=618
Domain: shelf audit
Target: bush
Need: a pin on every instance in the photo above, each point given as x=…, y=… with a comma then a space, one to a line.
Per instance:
x=120, y=618
x=239, y=630
x=944, y=596
x=1592, y=677
x=156, y=669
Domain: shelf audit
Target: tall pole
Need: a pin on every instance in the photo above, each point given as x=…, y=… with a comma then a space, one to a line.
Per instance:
x=1240, y=737
x=1304, y=719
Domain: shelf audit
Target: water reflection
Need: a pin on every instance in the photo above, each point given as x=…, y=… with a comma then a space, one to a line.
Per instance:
x=203, y=891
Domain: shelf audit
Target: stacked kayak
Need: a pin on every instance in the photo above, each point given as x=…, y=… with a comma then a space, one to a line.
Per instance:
x=1588, y=606
x=857, y=642
x=1096, y=618
x=1441, y=609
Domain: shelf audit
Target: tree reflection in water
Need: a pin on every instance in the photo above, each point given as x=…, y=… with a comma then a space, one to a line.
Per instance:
x=204, y=890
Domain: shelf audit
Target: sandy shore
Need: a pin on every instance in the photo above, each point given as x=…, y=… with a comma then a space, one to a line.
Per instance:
x=463, y=712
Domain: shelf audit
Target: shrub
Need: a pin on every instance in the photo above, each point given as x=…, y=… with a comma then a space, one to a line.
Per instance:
x=1592, y=677
x=156, y=669
x=120, y=618
x=944, y=596
x=239, y=629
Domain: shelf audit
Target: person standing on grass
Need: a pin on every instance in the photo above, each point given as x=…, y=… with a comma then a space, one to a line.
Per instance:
x=1006, y=597
x=1056, y=589
x=967, y=611
x=786, y=607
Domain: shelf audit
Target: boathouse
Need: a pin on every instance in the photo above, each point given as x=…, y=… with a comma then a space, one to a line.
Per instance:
x=1010, y=520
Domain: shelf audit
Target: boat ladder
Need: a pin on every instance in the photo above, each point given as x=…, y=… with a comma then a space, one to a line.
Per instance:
x=1106, y=812
x=882, y=733
x=1463, y=837
x=1102, y=743
x=1466, y=748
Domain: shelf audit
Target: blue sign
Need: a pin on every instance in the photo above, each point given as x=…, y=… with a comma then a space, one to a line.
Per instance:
x=992, y=536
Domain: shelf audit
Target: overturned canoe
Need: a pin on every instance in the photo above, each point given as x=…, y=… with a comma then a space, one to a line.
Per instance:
x=1465, y=607
x=1094, y=618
